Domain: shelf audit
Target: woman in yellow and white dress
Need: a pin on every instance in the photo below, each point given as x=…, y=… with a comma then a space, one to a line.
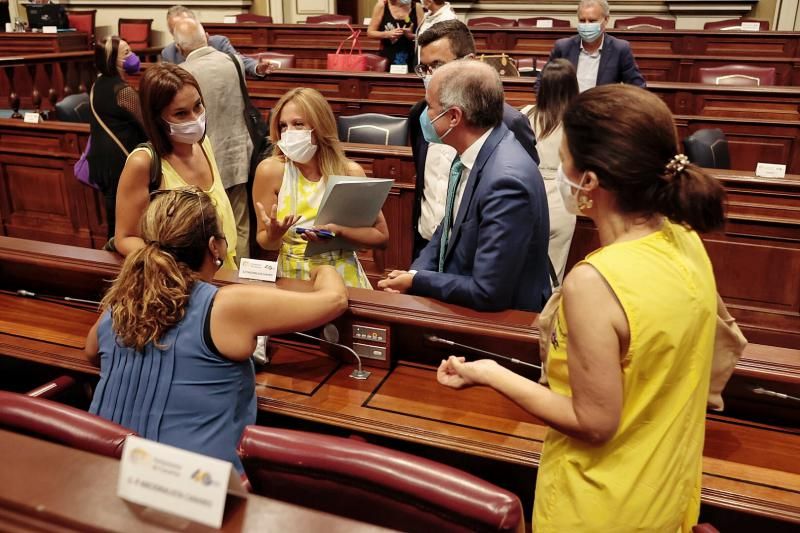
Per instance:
x=289, y=187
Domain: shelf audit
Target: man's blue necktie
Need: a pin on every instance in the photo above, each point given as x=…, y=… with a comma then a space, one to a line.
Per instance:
x=447, y=221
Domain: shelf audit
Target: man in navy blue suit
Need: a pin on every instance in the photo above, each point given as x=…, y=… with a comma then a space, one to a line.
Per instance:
x=598, y=57
x=441, y=43
x=490, y=250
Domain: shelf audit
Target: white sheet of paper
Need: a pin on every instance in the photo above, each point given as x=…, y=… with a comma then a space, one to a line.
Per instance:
x=544, y=23
x=49, y=29
x=175, y=481
x=229, y=20
x=258, y=269
x=32, y=118
x=398, y=69
x=770, y=170
x=751, y=26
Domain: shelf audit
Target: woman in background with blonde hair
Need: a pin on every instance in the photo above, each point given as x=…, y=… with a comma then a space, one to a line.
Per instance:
x=289, y=186
x=174, y=351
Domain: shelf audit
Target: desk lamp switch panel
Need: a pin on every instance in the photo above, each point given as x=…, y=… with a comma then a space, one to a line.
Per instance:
x=368, y=333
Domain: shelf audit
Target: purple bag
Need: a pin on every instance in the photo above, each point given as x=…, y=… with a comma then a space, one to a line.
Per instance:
x=81, y=168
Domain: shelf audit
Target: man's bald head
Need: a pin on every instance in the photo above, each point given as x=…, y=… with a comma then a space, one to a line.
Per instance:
x=189, y=35
x=472, y=86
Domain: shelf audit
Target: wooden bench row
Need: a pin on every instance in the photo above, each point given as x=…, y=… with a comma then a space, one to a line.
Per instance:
x=760, y=242
x=749, y=470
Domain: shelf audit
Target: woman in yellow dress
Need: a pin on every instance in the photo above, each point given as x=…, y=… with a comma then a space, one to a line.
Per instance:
x=630, y=360
x=175, y=122
x=289, y=186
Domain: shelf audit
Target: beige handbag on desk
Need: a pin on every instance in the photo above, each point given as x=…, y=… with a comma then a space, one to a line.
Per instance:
x=503, y=64
x=729, y=344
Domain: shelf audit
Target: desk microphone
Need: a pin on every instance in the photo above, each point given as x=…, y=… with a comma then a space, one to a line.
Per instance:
x=331, y=335
x=29, y=294
x=438, y=340
x=782, y=396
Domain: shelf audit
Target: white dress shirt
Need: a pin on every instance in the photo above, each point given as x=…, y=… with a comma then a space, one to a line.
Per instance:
x=588, y=65
x=434, y=194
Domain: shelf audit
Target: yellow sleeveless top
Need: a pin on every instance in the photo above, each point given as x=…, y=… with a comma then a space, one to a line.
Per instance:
x=299, y=196
x=170, y=179
x=647, y=477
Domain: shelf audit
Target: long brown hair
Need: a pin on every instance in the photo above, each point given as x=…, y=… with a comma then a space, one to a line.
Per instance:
x=627, y=136
x=153, y=287
x=319, y=117
x=557, y=87
x=159, y=85
x=105, y=56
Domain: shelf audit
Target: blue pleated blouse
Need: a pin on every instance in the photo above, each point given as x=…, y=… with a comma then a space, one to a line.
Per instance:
x=183, y=395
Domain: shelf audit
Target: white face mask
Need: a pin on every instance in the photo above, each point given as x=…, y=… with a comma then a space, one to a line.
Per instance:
x=188, y=132
x=296, y=145
x=565, y=189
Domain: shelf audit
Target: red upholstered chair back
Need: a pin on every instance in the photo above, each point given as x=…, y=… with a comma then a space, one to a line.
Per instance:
x=62, y=424
x=376, y=63
x=249, y=18
x=737, y=75
x=704, y=528
x=734, y=24
x=644, y=23
x=492, y=22
x=136, y=32
x=278, y=59
x=373, y=484
x=328, y=19
x=83, y=21
x=533, y=22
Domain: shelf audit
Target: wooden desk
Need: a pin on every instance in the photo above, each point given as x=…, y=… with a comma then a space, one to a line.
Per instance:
x=28, y=43
x=666, y=55
x=749, y=467
x=46, y=487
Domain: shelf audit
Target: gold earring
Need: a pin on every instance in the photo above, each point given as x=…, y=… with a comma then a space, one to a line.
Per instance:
x=584, y=202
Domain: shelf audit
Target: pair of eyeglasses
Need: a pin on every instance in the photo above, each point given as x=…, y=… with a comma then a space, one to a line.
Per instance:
x=423, y=70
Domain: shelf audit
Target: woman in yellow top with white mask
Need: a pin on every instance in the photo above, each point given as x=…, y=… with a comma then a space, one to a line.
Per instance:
x=289, y=186
x=632, y=346
x=175, y=121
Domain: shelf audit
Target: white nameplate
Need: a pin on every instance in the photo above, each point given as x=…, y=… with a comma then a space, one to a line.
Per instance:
x=258, y=269
x=367, y=20
x=398, y=69
x=49, y=29
x=544, y=23
x=176, y=481
x=32, y=118
x=229, y=20
x=770, y=170
x=751, y=26
x=9, y=27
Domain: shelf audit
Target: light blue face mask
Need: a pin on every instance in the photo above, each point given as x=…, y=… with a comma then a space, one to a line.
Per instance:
x=403, y=2
x=589, y=31
x=428, y=131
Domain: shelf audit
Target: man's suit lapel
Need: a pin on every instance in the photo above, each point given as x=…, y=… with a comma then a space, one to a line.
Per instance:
x=472, y=182
x=574, y=50
x=605, y=55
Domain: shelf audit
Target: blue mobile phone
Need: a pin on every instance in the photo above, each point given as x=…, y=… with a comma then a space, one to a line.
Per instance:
x=322, y=233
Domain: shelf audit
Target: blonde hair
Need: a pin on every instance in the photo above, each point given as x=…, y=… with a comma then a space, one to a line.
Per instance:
x=319, y=117
x=153, y=287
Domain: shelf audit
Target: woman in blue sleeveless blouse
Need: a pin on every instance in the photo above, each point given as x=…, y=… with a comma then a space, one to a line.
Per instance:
x=174, y=351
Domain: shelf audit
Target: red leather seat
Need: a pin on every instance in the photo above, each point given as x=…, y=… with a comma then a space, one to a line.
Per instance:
x=737, y=75
x=373, y=484
x=136, y=32
x=376, y=63
x=328, y=19
x=62, y=424
x=644, y=23
x=278, y=59
x=249, y=18
x=734, y=24
x=492, y=22
x=704, y=528
x=533, y=22
x=83, y=21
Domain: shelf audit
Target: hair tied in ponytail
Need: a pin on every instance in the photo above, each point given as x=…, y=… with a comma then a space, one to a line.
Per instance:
x=675, y=166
